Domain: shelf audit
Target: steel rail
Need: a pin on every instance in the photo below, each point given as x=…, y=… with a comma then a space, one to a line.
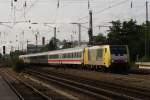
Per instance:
x=13, y=89
x=144, y=92
x=30, y=87
x=95, y=91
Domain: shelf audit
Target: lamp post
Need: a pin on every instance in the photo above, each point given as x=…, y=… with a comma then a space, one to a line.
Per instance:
x=79, y=25
x=55, y=32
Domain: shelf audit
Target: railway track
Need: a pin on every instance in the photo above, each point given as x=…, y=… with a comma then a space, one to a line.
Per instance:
x=23, y=90
x=140, y=71
x=98, y=89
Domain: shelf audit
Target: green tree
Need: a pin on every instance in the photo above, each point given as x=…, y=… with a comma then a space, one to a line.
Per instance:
x=53, y=44
x=66, y=44
x=128, y=33
x=44, y=49
x=146, y=38
x=100, y=39
x=114, y=32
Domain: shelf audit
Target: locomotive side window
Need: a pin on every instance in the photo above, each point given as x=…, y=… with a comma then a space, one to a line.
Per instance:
x=105, y=50
x=89, y=55
x=99, y=54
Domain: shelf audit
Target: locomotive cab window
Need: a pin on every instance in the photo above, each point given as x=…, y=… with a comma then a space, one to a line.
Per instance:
x=118, y=50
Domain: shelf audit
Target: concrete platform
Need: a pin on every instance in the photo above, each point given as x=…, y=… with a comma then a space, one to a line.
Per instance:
x=5, y=91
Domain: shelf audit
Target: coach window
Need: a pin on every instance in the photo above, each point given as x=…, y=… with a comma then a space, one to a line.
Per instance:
x=52, y=56
x=79, y=55
x=73, y=55
x=67, y=55
x=70, y=55
x=55, y=56
x=76, y=54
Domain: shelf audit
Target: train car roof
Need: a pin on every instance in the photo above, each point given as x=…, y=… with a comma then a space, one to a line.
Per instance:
x=76, y=49
x=69, y=50
x=34, y=54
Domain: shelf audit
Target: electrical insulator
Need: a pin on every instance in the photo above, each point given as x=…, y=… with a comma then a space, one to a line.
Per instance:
x=15, y=0
x=25, y=4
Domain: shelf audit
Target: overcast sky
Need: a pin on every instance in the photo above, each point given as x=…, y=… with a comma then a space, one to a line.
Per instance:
x=60, y=14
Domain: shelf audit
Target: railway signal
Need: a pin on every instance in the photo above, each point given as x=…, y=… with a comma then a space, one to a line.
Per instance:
x=43, y=40
x=4, y=50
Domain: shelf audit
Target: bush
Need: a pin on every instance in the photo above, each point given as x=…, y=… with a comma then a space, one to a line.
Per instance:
x=145, y=59
x=18, y=65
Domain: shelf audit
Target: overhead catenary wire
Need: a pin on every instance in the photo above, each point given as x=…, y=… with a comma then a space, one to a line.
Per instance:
x=29, y=8
x=105, y=9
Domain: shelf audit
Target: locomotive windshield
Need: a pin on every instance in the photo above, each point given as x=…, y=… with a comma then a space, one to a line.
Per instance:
x=118, y=49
